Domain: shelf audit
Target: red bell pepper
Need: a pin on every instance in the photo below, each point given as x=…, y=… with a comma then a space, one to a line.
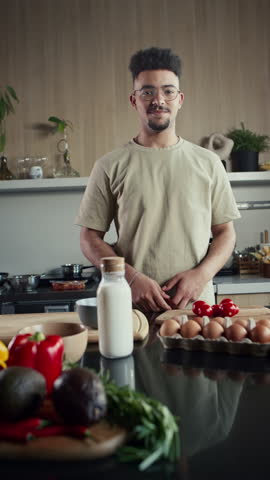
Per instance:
x=44, y=354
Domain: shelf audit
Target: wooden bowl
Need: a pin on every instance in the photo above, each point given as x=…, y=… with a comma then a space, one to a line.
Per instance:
x=75, y=337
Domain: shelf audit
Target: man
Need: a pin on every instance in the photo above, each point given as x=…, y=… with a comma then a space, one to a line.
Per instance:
x=165, y=195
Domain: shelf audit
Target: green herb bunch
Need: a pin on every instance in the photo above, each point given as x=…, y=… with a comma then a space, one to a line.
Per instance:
x=7, y=98
x=154, y=431
x=245, y=139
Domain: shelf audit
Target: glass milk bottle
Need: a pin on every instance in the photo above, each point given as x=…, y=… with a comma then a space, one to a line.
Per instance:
x=114, y=310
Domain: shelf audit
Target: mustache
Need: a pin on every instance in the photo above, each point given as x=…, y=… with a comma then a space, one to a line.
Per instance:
x=157, y=109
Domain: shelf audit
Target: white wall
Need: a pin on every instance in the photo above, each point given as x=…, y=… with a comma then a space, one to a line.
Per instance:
x=252, y=222
x=37, y=231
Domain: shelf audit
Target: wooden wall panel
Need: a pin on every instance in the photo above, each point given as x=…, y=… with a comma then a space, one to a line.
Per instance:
x=70, y=58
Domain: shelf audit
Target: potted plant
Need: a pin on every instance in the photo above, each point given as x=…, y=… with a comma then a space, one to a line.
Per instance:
x=61, y=126
x=246, y=148
x=7, y=98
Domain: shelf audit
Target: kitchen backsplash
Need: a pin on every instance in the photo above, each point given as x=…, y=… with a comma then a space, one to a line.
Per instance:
x=38, y=233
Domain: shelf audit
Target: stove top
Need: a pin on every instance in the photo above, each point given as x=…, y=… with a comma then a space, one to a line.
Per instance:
x=92, y=275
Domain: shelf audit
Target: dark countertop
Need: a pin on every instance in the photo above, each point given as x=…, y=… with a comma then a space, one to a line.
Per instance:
x=221, y=401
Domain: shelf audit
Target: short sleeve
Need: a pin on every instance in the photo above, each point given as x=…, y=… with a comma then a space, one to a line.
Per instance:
x=224, y=208
x=97, y=205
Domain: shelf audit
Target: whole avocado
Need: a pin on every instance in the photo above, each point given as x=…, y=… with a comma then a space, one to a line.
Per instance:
x=22, y=390
x=79, y=396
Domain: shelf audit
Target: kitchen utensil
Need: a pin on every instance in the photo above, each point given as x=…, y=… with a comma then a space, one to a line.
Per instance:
x=75, y=337
x=27, y=282
x=18, y=282
x=87, y=311
x=32, y=282
x=74, y=270
x=3, y=277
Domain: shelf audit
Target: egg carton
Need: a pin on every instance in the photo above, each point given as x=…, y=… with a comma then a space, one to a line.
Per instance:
x=221, y=344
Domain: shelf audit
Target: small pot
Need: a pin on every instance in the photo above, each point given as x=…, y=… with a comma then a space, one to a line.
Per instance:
x=3, y=278
x=73, y=270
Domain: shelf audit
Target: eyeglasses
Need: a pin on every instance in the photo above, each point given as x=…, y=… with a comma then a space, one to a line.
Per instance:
x=148, y=93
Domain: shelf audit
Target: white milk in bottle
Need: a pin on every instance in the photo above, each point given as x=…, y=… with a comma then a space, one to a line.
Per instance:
x=114, y=310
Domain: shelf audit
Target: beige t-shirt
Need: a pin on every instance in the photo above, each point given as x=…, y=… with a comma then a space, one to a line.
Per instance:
x=163, y=202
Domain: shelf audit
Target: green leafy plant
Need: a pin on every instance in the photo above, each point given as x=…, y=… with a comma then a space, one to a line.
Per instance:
x=245, y=139
x=60, y=124
x=154, y=431
x=7, y=99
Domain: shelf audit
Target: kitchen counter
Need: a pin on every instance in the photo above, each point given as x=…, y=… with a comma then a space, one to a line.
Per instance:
x=223, y=285
x=237, y=284
x=221, y=403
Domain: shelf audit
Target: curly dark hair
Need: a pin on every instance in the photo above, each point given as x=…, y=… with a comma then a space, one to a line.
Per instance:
x=154, y=59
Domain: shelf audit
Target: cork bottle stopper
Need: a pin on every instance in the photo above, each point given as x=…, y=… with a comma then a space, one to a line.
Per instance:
x=112, y=264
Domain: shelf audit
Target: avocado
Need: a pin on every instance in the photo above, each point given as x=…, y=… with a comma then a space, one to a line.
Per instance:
x=22, y=390
x=79, y=396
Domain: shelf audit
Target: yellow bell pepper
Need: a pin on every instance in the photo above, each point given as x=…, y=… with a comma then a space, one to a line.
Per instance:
x=3, y=355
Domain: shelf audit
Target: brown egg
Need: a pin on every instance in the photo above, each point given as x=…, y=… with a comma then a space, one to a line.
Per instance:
x=235, y=332
x=260, y=334
x=169, y=327
x=199, y=320
x=220, y=320
x=190, y=329
x=242, y=322
x=212, y=330
x=264, y=322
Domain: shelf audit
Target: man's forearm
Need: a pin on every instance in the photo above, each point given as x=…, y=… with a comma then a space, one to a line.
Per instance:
x=94, y=248
x=219, y=251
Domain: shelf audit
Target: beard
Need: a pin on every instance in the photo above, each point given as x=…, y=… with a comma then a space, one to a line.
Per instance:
x=158, y=127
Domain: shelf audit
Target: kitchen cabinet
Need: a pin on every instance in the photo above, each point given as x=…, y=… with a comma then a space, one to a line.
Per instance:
x=248, y=300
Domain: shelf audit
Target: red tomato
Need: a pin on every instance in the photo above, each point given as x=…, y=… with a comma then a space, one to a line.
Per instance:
x=216, y=310
x=198, y=303
x=228, y=309
x=202, y=309
x=226, y=300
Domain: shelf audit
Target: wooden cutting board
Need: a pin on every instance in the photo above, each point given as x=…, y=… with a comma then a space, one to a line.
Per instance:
x=105, y=440
x=255, y=312
x=11, y=324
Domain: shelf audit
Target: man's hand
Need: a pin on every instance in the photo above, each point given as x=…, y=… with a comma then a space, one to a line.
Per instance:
x=188, y=286
x=148, y=295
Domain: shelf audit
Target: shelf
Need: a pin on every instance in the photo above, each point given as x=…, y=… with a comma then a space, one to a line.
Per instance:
x=79, y=183
x=44, y=184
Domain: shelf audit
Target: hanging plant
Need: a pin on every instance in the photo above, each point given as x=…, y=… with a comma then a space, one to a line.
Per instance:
x=7, y=99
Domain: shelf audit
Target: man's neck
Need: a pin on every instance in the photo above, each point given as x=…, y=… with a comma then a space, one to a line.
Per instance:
x=157, y=139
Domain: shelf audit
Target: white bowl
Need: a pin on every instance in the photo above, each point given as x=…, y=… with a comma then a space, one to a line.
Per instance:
x=87, y=311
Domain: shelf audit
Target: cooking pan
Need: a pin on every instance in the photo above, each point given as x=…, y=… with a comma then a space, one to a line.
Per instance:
x=74, y=270
x=3, y=277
